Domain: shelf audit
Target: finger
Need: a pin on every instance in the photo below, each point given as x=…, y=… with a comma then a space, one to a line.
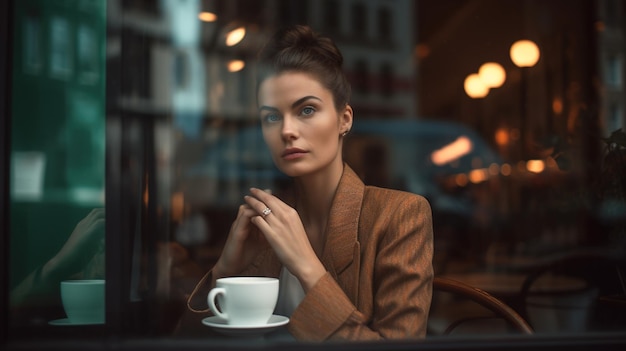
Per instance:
x=259, y=206
x=259, y=222
x=264, y=196
x=96, y=213
x=243, y=208
x=247, y=211
x=96, y=226
x=263, y=226
x=243, y=216
x=271, y=201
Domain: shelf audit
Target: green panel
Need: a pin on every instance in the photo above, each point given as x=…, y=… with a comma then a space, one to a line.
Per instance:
x=58, y=125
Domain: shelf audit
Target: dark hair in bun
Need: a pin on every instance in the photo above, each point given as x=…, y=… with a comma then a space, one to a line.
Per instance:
x=300, y=49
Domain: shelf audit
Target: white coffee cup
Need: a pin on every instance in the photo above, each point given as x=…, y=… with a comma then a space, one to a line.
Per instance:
x=83, y=300
x=244, y=301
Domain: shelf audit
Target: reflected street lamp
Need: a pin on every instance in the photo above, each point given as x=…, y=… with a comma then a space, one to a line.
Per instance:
x=475, y=87
x=235, y=36
x=524, y=54
x=207, y=16
x=492, y=74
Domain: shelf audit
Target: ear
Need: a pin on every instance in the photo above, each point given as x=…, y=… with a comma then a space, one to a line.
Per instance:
x=345, y=119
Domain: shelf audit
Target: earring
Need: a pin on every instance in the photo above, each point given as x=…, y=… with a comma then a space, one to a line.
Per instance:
x=345, y=133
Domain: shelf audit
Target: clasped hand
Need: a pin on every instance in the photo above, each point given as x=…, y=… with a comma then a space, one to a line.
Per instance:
x=84, y=242
x=282, y=229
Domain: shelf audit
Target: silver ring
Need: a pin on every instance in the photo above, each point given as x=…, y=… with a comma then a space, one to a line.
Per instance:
x=266, y=211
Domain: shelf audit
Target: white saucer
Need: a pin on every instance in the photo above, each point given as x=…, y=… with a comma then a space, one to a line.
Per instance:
x=219, y=325
x=66, y=322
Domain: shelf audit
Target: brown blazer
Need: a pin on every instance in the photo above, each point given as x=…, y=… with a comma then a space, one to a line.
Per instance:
x=378, y=256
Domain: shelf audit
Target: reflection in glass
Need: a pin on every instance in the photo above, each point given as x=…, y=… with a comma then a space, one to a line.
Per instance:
x=57, y=150
x=33, y=50
x=87, y=53
x=61, y=51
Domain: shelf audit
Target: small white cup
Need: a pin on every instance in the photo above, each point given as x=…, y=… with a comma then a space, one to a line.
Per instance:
x=244, y=301
x=83, y=300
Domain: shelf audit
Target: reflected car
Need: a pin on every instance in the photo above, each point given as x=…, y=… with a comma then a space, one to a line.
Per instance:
x=447, y=163
x=420, y=156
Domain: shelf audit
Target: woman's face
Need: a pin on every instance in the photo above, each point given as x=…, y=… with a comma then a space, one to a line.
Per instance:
x=300, y=123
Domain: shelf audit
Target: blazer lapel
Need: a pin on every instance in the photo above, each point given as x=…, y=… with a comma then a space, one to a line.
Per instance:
x=342, y=229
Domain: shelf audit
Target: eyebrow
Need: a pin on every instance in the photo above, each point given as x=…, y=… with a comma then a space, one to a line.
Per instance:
x=296, y=103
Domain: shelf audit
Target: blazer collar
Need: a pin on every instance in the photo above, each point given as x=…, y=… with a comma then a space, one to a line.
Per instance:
x=343, y=224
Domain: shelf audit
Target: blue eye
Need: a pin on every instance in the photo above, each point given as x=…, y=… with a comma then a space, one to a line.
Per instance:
x=307, y=111
x=271, y=117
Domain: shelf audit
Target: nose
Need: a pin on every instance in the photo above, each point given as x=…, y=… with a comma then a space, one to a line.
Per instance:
x=289, y=128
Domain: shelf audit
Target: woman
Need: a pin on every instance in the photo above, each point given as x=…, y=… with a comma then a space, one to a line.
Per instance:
x=354, y=261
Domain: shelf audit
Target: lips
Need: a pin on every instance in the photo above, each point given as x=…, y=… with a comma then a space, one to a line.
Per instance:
x=293, y=153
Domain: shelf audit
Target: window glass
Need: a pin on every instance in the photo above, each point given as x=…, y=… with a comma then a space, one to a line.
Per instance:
x=57, y=153
x=359, y=20
x=384, y=23
x=331, y=15
x=519, y=148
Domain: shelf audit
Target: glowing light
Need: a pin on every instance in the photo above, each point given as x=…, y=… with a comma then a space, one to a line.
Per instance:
x=492, y=74
x=422, y=51
x=236, y=65
x=478, y=175
x=207, y=17
x=235, y=36
x=453, y=151
x=493, y=169
x=502, y=136
x=535, y=166
x=146, y=194
x=557, y=105
x=524, y=53
x=474, y=86
x=178, y=206
x=505, y=169
x=461, y=179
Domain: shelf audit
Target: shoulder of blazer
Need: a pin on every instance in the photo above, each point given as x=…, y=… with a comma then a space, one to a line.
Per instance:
x=386, y=197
